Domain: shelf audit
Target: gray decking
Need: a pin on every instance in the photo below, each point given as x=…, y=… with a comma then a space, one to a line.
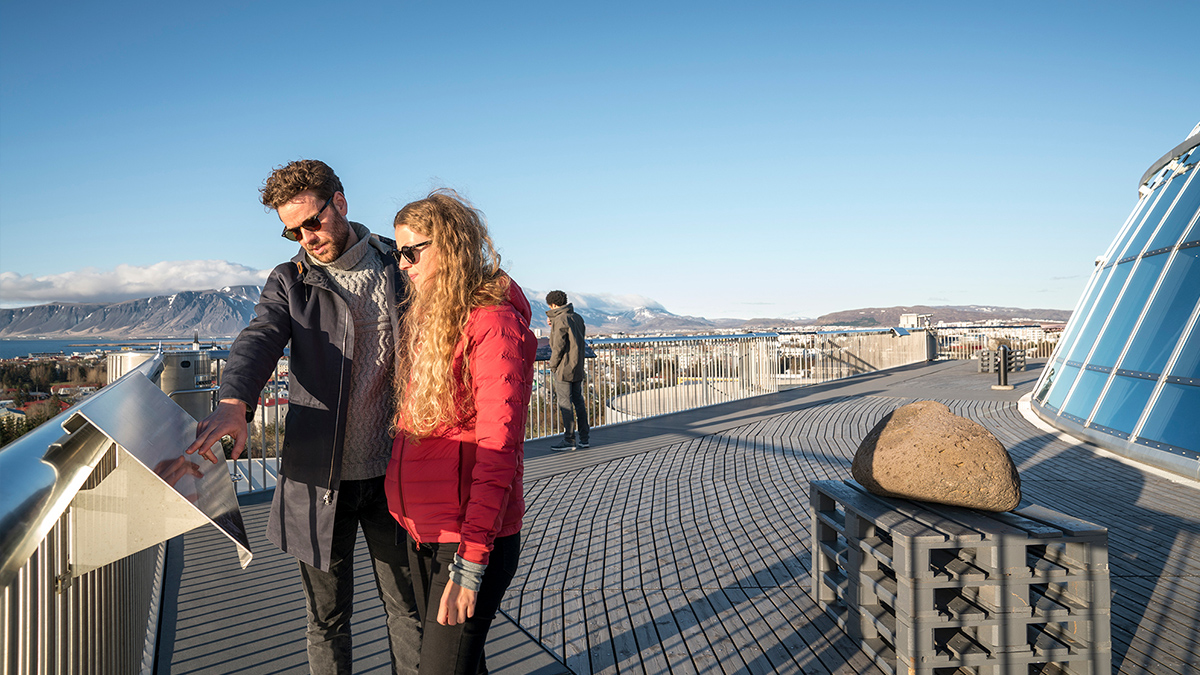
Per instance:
x=680, y=544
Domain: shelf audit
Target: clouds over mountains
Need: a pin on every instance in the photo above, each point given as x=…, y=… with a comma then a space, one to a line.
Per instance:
x=125, y=282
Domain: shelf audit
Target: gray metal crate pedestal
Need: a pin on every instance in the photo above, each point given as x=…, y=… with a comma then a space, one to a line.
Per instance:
x=933, y=590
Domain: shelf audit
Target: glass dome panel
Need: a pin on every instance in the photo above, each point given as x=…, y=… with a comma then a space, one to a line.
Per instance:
x=1167, y=316
x=1099, y=313
x=1188, y=364
x=1123, y=404
x=1087, y=390
x=1073, y=325
x=1048, y=377
x=1059, y=391
x=1177, y=220
x=1147, y=230
x=1172, y=420
x=1133, y=300
x=1115, y=251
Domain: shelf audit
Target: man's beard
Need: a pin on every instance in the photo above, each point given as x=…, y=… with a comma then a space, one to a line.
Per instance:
x=337, y=242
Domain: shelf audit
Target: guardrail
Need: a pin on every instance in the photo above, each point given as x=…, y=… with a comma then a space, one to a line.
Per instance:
x=636, y=378
x=51, y=622
x=639, y=377
x=87, y=502
x=1034, y=341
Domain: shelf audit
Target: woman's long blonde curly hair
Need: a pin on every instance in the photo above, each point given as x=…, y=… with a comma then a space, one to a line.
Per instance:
x=429, y=396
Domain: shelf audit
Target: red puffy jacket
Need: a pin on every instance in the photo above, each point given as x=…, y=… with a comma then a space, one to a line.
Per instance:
x=464, y=484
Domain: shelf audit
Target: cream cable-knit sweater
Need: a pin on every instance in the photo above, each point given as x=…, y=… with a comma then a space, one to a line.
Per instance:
x=359, y=277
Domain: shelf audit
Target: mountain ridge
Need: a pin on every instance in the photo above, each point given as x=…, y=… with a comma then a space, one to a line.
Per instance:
x=225, y=311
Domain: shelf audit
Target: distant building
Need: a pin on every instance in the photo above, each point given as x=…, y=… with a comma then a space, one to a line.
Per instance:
x=915, y=320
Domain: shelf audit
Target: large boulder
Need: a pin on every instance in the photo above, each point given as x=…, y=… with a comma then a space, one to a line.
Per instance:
x=925, y=452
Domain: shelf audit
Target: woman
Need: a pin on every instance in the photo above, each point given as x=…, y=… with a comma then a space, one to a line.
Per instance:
x=465, y=368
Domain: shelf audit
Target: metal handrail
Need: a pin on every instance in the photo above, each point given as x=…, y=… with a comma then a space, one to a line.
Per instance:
x=44, y=469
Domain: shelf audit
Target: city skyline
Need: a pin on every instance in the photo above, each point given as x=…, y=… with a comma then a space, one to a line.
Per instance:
x=779, y=160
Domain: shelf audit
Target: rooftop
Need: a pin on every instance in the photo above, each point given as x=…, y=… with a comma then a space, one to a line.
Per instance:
x=680, y=543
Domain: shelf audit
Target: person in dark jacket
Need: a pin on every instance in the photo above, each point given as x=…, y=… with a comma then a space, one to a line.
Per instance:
x=337, y=303
x=567, y=332
x=465, y=377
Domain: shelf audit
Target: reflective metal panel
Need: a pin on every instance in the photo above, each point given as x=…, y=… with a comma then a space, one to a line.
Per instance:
x=157, y=491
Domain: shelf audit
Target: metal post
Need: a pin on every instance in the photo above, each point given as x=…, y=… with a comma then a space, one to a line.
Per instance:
x=1002, y=367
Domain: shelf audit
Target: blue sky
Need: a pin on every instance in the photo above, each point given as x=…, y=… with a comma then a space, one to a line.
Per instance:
x=722, y=159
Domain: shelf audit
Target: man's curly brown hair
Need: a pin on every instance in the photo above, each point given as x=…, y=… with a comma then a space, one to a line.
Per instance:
x=295, y=177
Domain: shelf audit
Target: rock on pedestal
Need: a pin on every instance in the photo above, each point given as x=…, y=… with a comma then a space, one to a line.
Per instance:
x=925, y=452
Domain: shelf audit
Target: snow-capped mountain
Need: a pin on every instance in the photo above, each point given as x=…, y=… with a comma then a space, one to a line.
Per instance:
x=211, y=313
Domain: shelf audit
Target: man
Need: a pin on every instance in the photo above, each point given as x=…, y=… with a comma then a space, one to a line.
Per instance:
x=336, y=303
x=566, y=363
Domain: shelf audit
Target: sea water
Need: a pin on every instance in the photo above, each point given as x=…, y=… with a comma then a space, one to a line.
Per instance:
x=12, y=348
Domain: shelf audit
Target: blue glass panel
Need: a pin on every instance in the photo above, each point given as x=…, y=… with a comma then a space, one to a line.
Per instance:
x=1087, y=391
x=1188, y=364
x=1168, y=314
x=1077, y=318
x=1179, y=217
x=1108, y=296
x=1047, y=380
x=1138, y=212
x=1059, y=391
x=1160, y=209
x=1124, y=402
x=1137, y=293
x=1173, y=419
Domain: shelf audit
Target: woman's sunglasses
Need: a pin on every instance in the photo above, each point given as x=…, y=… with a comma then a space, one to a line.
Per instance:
x=409, y=253
x=312, y=223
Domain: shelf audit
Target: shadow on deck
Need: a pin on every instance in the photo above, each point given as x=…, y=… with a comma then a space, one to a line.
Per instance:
x=681, y=544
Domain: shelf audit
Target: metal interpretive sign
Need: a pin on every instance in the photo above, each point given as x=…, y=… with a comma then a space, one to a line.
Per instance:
x=145, y=489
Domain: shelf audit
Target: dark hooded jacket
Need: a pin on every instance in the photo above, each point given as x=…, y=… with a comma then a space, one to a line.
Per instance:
x=566, y=343
x=300, y=305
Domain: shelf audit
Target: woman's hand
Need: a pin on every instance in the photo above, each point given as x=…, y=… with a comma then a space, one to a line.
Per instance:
x=458, y=605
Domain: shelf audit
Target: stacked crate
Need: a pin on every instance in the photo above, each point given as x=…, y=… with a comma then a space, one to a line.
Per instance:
x=933, y=590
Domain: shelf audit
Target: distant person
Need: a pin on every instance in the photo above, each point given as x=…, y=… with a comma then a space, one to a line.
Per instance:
x=465, y=375
x=567, y=344
x=337, y=303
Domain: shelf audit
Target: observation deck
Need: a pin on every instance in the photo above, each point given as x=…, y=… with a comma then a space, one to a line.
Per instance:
x=680, y=544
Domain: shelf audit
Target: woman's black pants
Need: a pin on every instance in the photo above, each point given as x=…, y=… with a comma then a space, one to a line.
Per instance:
x=458, y=649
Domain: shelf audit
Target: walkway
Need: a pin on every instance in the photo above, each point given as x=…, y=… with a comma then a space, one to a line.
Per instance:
x=680, y=544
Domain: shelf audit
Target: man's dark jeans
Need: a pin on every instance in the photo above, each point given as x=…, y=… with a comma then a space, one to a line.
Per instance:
x=458, y=649
x=330, y=595
x=573, y=407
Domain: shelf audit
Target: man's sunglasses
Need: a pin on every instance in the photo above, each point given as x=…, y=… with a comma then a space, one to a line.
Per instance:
x=409, y=253
x=312, y=223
